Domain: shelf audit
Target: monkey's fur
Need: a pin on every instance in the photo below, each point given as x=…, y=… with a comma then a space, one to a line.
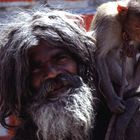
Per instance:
x=109, y=26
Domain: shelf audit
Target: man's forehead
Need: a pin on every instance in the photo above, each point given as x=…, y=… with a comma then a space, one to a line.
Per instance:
x=43, y=51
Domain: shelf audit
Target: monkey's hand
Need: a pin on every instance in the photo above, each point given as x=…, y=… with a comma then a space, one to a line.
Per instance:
x=116, y=105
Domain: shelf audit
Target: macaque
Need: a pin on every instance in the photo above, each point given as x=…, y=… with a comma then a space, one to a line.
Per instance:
x=116, y=27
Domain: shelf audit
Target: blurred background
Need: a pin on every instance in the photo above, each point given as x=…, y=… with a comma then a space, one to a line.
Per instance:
x=82, y=7
x=85, y=8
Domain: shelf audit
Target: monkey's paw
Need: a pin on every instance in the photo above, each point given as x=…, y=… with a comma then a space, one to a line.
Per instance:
x=116, y=105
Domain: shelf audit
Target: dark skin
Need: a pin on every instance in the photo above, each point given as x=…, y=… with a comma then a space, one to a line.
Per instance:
x=48, y=62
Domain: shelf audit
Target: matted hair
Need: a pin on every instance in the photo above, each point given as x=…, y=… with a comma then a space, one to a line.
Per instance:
x=58, y=29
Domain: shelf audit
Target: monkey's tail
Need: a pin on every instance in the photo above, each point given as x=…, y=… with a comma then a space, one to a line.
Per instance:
x=110, y=127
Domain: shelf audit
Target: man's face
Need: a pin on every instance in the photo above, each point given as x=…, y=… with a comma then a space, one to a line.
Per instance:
x=61, y=98
x=47, y=63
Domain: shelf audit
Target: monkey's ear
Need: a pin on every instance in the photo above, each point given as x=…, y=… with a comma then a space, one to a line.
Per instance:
x=122, y=9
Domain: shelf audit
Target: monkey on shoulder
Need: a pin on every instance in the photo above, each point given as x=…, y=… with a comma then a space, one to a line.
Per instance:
x=116, y=27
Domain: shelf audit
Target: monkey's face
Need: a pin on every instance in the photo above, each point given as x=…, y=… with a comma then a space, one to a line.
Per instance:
x=133, y=27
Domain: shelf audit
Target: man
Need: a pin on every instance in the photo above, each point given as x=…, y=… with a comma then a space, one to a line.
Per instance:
x=46, y=76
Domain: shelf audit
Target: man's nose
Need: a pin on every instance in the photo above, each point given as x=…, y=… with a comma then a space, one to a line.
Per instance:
x=51, y=72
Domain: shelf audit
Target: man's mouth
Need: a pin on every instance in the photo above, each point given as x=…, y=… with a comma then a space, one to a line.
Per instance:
x=58, y=92
x=60, y=86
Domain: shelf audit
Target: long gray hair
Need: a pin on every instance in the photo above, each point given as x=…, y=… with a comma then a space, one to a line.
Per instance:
x=57, y=28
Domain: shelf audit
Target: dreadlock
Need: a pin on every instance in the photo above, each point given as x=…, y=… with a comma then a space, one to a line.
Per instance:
x=58, y=29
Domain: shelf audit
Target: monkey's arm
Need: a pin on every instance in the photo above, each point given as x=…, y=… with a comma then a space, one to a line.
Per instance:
x=107, y=31
x=114, y=102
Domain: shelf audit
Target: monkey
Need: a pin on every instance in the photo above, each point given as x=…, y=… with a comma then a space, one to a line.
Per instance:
x=116, y=27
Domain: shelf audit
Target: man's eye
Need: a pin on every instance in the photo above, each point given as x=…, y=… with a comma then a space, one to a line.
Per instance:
x=63, y=58
x=36, y=70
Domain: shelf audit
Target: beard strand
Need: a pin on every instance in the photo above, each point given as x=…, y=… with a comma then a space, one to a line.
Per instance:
x=69, y=118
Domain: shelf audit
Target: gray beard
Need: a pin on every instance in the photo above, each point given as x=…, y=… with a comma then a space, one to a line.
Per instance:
x=68, y=118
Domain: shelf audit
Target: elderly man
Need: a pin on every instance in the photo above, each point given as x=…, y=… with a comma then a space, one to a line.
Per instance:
x=46, y=76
